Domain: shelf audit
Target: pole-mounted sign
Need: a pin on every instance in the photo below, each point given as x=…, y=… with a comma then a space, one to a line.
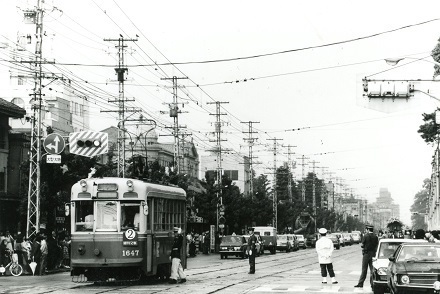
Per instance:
x=54, y=143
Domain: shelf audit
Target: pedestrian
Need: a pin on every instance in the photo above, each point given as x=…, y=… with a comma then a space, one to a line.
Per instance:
x=66, y=252
x=4, y=253
x=324, y=248
x=252, y=250
x=44, y=253
x=369, y=246
x=36, y=252
x=206, y=243
x=420, y=234
x=176, y=265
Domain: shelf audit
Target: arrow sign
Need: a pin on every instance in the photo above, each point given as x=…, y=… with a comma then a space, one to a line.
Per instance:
x=54, y=144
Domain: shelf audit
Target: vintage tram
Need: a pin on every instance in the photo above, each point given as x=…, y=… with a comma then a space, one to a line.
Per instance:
x=122, y=229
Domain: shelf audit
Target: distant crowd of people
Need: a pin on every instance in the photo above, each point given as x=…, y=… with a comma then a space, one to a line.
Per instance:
x=49, y=252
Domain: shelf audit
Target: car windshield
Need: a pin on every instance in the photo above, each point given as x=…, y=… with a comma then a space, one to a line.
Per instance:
x=420, y=253
x=232, y=239
x=387, y=249
x=280, y=237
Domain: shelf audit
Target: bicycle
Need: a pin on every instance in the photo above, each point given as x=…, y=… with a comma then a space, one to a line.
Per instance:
x=14, y=267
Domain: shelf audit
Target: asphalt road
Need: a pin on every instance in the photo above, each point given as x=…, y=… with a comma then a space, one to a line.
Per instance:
x=294, y=272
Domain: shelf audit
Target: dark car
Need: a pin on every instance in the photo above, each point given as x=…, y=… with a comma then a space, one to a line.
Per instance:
x=414, y=268
x=233, y=246
x=311, y=239
x=385, y=249
x=335, y=240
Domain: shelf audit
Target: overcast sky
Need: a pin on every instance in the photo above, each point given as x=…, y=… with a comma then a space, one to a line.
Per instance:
x=289, y=65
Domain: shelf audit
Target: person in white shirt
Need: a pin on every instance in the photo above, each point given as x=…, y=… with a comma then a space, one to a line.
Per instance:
x=324, y=248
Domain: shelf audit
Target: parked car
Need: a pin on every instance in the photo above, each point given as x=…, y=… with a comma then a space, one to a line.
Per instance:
x=385, y=249
x=356, y=237
x=295, y=242
x=415, y=268
x=335, y=240
x=284, y=242
x=259, y=246
x=311, y=239
x=233, y=246
x=269, y=236
x=348, y=239
x=341, y=239
x=301, y=241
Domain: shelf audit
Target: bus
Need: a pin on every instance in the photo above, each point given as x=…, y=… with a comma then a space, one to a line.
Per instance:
x=122, y=229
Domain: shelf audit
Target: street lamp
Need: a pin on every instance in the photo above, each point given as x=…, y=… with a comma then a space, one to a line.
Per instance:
x=395, y=61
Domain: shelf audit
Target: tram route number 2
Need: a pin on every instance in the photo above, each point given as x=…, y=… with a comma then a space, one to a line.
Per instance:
x=129, y=253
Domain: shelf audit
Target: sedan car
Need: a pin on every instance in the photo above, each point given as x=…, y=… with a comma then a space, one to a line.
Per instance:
x=356, y=237
x=301, y=241
x=348, y=239
x=385, y=249
x=415, y=268
x=233, y=246
x=284, y=242
x=335, y=240
x=295, y=242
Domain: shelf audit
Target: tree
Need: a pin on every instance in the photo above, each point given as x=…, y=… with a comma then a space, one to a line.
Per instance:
x=429, y=129
x=435, y=53
x=419, y=206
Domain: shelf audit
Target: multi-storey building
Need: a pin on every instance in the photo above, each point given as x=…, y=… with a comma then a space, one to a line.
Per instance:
x=13, y=151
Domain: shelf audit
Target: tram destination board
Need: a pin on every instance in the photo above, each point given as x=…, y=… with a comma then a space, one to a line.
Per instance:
x=130, y=238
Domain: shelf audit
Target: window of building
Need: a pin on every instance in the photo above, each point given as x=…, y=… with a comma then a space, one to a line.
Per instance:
x=18, y=101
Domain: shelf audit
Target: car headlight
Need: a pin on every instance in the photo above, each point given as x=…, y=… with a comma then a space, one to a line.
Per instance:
x=237, y=248
x=382, y=271
x=404, y=279
x=436, y=285
x=224, y=248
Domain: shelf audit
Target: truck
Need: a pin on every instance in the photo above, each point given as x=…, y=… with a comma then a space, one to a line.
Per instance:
x=269, y=236
x=305, y=224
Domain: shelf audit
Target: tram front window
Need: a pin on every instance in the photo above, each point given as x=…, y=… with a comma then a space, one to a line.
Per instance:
x=106, y=216
x=84, y=216
x=130, y=212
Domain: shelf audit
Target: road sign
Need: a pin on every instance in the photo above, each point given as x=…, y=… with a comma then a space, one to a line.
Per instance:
x=54, y=144
x=88, y=143
x=53, y=158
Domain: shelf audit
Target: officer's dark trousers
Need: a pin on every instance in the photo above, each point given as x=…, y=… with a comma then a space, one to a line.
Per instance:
x=325, y=267
x=252, y=263
x=367, y=262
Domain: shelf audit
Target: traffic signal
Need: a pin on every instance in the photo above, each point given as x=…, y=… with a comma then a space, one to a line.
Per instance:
x=221, y=220
x=88, y=143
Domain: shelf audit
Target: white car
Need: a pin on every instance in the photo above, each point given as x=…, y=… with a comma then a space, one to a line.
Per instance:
x=385, y=249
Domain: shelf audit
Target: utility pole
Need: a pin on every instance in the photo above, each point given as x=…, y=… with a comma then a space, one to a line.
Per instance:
x=250, y=141
x=313, y=193
x=174, y=113
x=275, y=200
x=218, y=150
x=120, y=71
x=291, y=167
x=303, y=186
x=33, y=211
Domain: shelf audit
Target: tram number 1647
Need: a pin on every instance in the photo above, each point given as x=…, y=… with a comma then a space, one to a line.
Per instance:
x=128, y=253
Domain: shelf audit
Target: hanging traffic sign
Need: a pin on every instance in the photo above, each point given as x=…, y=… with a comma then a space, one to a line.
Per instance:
x=54, y=143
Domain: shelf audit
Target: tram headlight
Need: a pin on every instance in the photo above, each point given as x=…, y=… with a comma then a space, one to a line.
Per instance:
x=83, y=185
x=130, y=185
x=82, y=249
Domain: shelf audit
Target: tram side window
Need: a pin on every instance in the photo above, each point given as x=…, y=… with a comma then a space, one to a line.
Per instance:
x=168, y=213
x=84, y=216
x=130, y=215
x=106, y=216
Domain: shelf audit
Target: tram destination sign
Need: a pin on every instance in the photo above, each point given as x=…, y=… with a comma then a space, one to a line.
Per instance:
x=130, y=238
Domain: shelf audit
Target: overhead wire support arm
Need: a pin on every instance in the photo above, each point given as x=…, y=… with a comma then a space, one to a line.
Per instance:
x=120, y=70
x=174, y=113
